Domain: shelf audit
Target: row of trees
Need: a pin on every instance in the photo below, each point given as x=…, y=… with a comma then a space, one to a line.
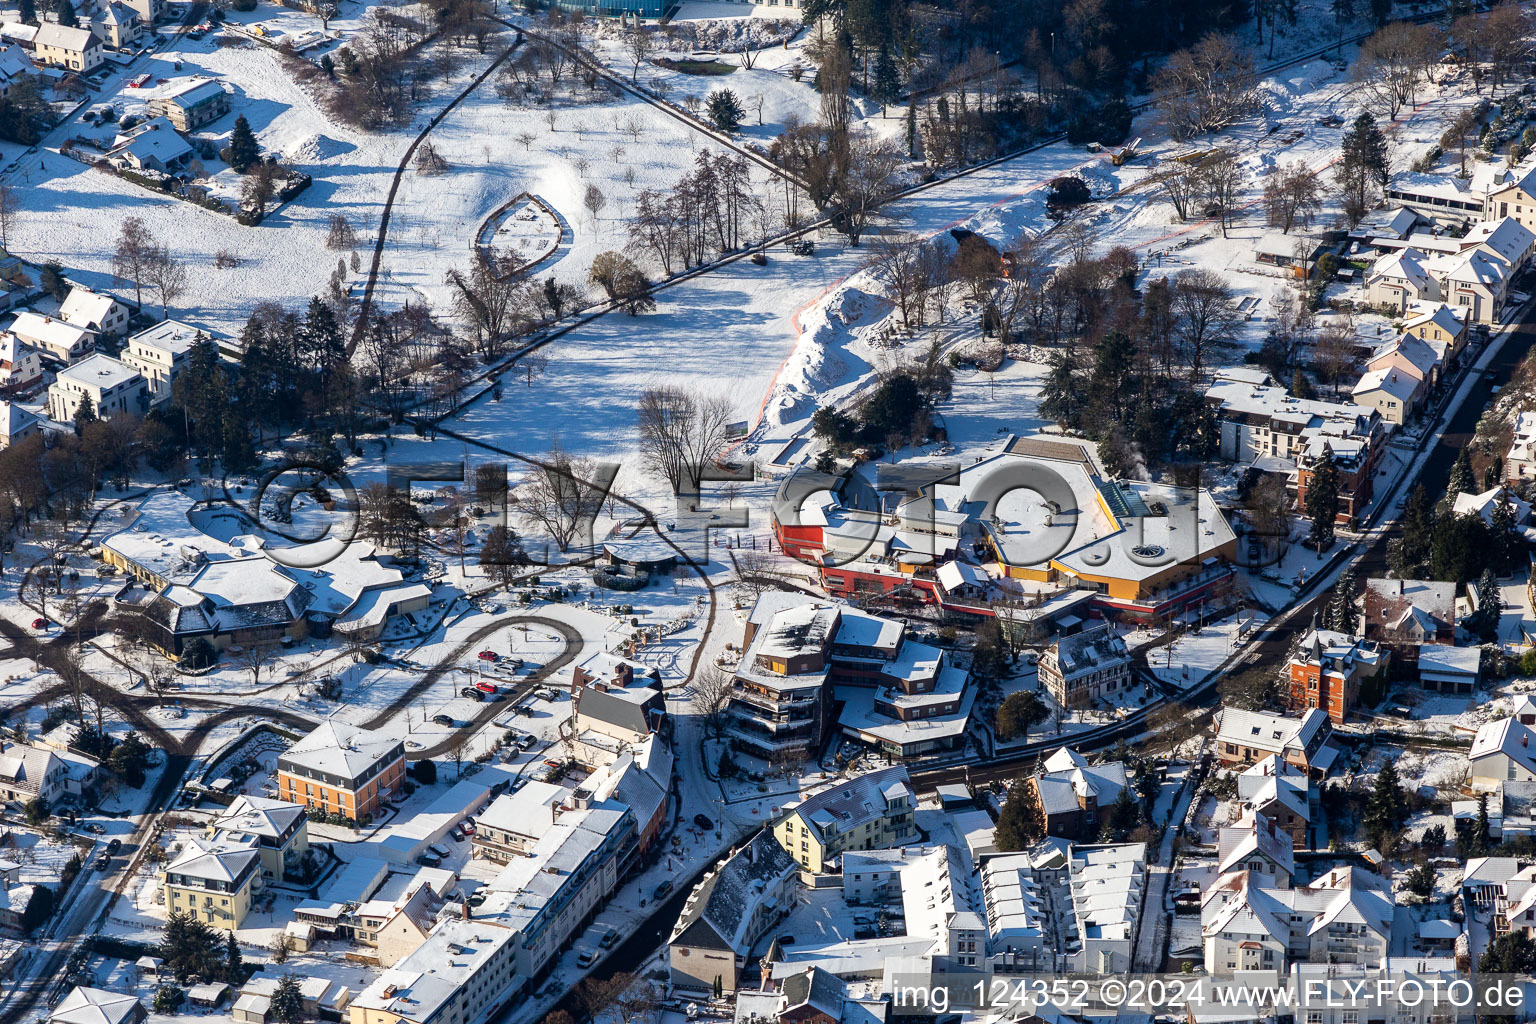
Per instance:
x=712, y=209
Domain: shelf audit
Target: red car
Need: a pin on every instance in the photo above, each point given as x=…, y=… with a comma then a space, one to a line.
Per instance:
x=484, y=687
x=39, y=623
x=468, y=827
x=489, y=656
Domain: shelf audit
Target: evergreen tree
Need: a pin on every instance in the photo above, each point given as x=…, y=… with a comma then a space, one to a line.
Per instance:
x=1421, y=880
x=243, y=151
x=321, y=344
x=287, y=1001
x=887, y=80
x=234, y=962
x=1505, y=542
x=85, y=415
x=27, y=12
x=1408, y=554
x=724, y=111
x=1460, y=548
x=1381, y=10
x=1301, y=387
x=1341, y=615
x=1386, y=808
x=1493, y=476
x=1061, y=401
x=1363, y=164
x=1017, y=826
x=1323, y=499
x=65, y=13
x=1462, y=480
x=1514, y=952
x=1482, y=837
x=201, y=392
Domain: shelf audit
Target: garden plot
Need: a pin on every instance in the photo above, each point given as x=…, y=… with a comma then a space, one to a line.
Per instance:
x=520, y=235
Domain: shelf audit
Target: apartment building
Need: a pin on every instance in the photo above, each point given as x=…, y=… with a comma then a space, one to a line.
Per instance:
x=341, y=769
x=279, y=829
x=1250, y=922
x=114, y=390
x=1327, y=668
x=728, y=912
x=213, y=880
x=1070, y=797
x=1086, y=667
x=870, y=812
x=462, y=974
x=1304, y=742
x=159, y=353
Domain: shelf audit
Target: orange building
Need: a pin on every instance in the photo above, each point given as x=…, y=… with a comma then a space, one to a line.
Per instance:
x=341, y=769
x=1326, y=670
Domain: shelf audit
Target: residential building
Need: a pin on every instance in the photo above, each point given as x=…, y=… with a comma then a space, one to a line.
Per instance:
x=1486, y=503
x=1072, y=798
x=1107, y=885
x=1086, y=668
x=1327, y=668
x=1413, y=356
x=75, y=49
x=103, y=315
x=117, y=24
x=320, y=999
x=1506, y=238
x=20, y=368
x=1249, y=921
x=1450, y=669
x=1441, y=327
x=16, y=425
x=191, y=103
x=616, y=698
x=279, y=829
x=396, y=928
x=1475, y=281
x=1354, y=463
x=14, y=66
x=1393, y=393
x=514, y=822
x=85, y=1005
x=1512, y=195
x=868, y=812
x=1398, y=279
x=1440, y=197
x=213, y=880
x=341, y=769
x=735, y=905
x=1256, y=845
x=149, y=11
x=28, y=772
x=159, y=353
x=780, y=705
x=1260, y=422
x=549, y=896
x=1304, y=742
x=151, y=146
x=1403, y=615
x=1520, y=460
x=113, y=389
x=462, y=974
x=1502, y=751
x=1018, y=910
x=641, y=779
x=1282, y=794
x=14, y=900
x=51, y=336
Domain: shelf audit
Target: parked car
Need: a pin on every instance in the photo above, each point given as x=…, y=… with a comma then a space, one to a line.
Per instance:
x=467, y=826
x=489, y=656
x=551, y=763
x=802, y=247
x=471, y=693
x=525, y=742
x=39, y=623
x=103, y=862
x=662, y=889
x=703, y=822
x=442, y=720
x=457, y=833
x=114, y=845
x=609, y=938
x=586, y=958
x=485, y=687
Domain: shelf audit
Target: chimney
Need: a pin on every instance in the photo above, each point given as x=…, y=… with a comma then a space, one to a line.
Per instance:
x=464, y=911
x=1525, y=739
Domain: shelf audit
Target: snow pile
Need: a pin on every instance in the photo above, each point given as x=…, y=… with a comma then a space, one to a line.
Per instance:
x=821, y=360
x=315, y=148
x=732, y=35
x=1279, y=92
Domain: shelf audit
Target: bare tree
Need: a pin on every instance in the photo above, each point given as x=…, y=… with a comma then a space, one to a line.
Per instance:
x=531, y=366
x=428, y=160
x=638, y=44
x=259, y=186
x=898, y=261
x=1394, y=62
x=1269, y=507
x=712, y=694
x=9, y=204
x=563, y=496
x=169, y=277
x=1179, y=184
x=1221, y=181
x=681, y=431
x=594, y=200
x=1333, y=355
x=1205, y=318
x=136, y=248
x=253, y=658
x=340, y=235
x=1204, y=88
x=1292, y=195
x=866, y=182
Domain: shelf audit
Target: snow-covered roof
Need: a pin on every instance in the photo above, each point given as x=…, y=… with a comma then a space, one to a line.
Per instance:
x=1506, y=237
x=224, y=860
x=1409, y=353
x=1437, y=313
x=1068, y=780
x=47, y=331
x=848, y=805
x=98, y=371
x=1390, y=380
x=1403, y=265
x=1087, y=652
x=728, y=899
x=528, y=812
x=13, y=63
x=258, y=816
x=1507, y=736
x=53, y=34
x=116, y=13
x=171, y=337
x=1277, y=408
x=1254, y=836
x=1474, y=266
x=1391, y=222
x=1396, y=604
x=1107, y=885
x=154, y=139
x=86, y=308
x=1484, y=504
x=18, y=32
x=95, y=1006
x=1276, y=734
x=418, y=987
x=343, y=750
x=14, y=419
x=189, y=92
x=1439, y=661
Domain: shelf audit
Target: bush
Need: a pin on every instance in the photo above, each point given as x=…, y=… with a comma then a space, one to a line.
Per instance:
x=168, y=997
x=424, y=771
x=199, y=654
x=244, y=6
x=1067, y=191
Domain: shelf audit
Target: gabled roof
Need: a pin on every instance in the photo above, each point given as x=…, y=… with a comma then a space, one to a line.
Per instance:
x=815, y=989
x=13, y=63
x=724, y=904
x=85, y=308
x=1438, y=313
x=847, y=805
x=258, y=816
x=1412, y=355
x=1273, y=733
x=14, y=419
x=78, y=39
x=1389, y=379
x=1406, y=265
x=155, y=138
x=1507, y=736
x=1254, y=835
x=1506, y=236
x=1475, y=266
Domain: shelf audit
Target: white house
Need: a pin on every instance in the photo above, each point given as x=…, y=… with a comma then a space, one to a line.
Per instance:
x=51, y=336
x=1503, y=751
x=1505, y=238
x=118, y=25
x=78, y=49
x=1399, y=279
x=147, y=10
x=158, y=354
x=1520, y=462
x=1413, y=356
x=14, y=66
x=95, y=311
x=1475, y=281
x=1248, y=921
x=114, y=389
x=153, y=145
x=16, y=424
x=20, y=368
x=1391, y=392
